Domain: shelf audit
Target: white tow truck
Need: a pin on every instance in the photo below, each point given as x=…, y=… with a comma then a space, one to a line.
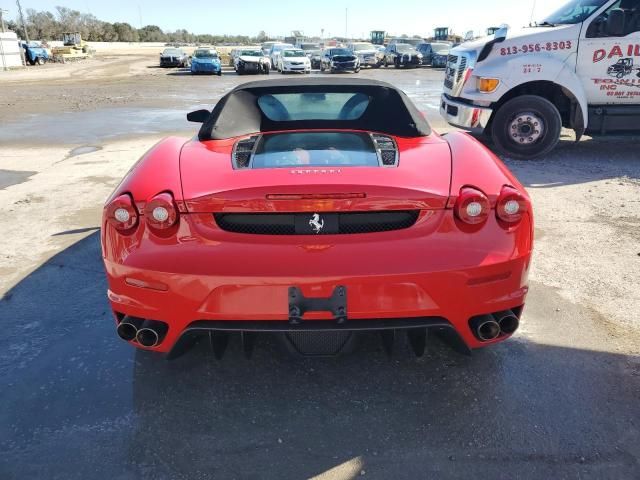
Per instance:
x=579, y=68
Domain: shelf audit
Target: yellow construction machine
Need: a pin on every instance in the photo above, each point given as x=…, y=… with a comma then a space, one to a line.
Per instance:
x=73, y=47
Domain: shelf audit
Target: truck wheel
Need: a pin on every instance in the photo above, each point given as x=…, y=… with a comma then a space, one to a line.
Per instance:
x=40, y=61
x=526, y=127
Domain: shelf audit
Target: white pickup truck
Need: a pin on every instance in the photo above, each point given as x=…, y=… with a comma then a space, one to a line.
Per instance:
x=579, y=69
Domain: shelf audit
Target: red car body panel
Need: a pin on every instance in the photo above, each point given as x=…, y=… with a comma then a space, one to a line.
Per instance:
x=210, y=184
x=436, y=268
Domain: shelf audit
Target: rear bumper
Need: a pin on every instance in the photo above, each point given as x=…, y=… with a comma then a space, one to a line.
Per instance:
x=344, y=67
x=205, y=68
x=296, y=68
x=431, y=270
x=469, y=117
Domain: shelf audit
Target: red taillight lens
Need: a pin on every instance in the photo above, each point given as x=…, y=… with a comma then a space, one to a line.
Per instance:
x=161, y=212
x=472, y=206
x=122, y=214
x=511, y=205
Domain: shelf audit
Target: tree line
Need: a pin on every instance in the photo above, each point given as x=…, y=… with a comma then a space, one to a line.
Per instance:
x=45, y=25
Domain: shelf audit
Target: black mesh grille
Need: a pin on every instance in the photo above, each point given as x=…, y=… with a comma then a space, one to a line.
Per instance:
x=242, y=152
x=299, y=223
x=387, y=149
x=318, y=343
x=388, y=157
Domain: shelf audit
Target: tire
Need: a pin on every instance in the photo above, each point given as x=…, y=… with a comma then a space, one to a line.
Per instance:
x=219, y=73
x=529, y=106
x=357, y=70
x=40, y=61
x=32, y=62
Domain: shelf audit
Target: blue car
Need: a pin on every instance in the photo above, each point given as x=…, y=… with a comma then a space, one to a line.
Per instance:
x=206, y=60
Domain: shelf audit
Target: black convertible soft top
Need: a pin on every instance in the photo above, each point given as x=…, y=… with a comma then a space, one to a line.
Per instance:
x=389, y=110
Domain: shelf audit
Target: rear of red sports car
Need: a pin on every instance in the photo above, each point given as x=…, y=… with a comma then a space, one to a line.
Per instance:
x=316, y=210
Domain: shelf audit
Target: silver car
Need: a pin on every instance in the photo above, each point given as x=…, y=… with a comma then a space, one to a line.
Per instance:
x=276, y=51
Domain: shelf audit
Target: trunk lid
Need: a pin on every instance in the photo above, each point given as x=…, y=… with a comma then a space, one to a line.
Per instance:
x=420, y=181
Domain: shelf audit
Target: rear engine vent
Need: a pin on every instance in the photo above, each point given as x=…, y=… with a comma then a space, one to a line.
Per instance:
x=386, y=149
x=242, y=152
x=307, y=223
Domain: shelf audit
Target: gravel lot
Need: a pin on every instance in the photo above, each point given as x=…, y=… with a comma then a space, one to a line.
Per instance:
x=560, y=400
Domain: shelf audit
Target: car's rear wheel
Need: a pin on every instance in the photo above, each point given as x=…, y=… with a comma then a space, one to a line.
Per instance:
x=526, y=127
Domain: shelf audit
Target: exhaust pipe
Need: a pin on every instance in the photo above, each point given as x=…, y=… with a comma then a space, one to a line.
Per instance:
x=127, y=329
x=151, y=333
x=485, y=327
x=508, y=321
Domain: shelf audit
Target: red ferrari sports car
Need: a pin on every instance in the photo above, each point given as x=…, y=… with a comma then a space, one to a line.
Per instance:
x=316, y=210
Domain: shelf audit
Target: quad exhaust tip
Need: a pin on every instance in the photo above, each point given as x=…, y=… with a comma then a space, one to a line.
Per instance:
x=128, y=328
x=490, y=327
x=508, y=322
x=148, y=333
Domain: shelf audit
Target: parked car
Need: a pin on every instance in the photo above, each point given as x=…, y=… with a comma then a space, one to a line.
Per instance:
x=35, y=53
x=402, y=55
x=293, y=60
x=434, y=49
x=174, y=57
x=368, y=55
x=233, y=53
x=339, y=60
x=307, y=47
x=437, y=235
x=275, y=51
x=252, y=60
x=206, y=60
x=413, y=41
x=439, y=57
x=266, y=47
x=315, y=57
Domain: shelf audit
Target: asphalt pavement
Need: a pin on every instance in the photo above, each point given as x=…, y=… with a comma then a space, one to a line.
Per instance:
x=560, y=400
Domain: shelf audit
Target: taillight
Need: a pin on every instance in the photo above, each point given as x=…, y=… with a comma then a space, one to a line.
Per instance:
x=122, y=214
x=511, y=205
x=472, y=206
x=161, y=212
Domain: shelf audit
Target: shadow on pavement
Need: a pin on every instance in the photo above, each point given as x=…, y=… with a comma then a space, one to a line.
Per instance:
x=79, y=403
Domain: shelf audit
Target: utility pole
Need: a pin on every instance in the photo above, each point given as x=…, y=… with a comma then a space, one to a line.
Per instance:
x=2, y=19
x=24, y=25
x=346, y=23
x=533, y=9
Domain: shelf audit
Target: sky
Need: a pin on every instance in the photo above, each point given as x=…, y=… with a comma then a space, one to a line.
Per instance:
x=249, y=17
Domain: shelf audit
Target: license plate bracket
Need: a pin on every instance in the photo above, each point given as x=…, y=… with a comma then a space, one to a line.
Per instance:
x=336, y=304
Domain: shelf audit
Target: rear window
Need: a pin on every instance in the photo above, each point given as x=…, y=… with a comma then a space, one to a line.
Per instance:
x=315, y=149
x=286, y=107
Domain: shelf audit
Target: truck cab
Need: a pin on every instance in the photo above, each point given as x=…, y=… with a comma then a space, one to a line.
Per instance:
x=573, y=69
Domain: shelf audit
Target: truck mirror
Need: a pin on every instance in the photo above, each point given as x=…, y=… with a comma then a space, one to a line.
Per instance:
x=615, y=23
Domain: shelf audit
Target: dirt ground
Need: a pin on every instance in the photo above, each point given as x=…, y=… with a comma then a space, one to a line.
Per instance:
x=569, y=380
